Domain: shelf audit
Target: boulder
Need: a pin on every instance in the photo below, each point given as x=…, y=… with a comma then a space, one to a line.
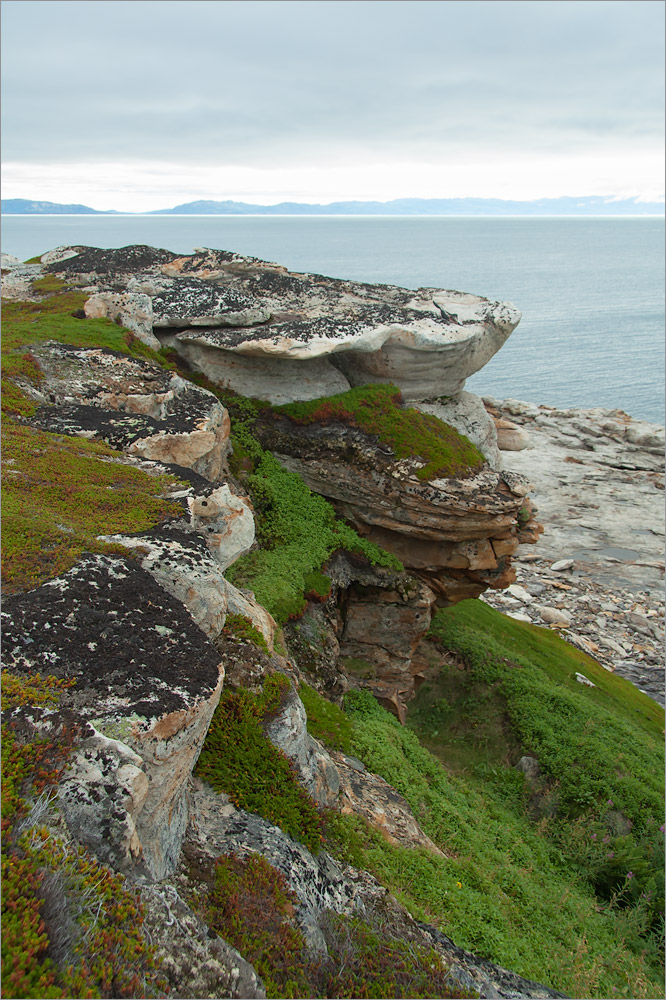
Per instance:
x=133, y=405
x=253, y=326
x=147, y=683
x=468, y=415
x=131, y=309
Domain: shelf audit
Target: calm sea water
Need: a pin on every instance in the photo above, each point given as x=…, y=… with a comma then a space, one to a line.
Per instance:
x=591, y=290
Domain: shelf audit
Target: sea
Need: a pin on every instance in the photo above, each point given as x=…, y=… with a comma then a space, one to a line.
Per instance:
x=591, y=290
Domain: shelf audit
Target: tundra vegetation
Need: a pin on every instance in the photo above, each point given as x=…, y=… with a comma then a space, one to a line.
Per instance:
x=559, y=878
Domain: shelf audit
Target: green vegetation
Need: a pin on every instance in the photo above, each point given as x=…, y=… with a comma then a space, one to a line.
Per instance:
x=317, y=586
x=70, y=927
x=326, y=721
x=59, y=317
x=59, y=493
x=239, y=760
x=597, y=743
x=241, y=628
x=297, y=531
x=501, y=888
x=378, y=410
x=252, y=907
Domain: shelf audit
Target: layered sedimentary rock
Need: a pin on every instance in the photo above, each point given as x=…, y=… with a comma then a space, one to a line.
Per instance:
x=456, y=533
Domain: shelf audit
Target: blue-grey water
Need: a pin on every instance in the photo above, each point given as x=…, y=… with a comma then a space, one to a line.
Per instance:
x=591, y=290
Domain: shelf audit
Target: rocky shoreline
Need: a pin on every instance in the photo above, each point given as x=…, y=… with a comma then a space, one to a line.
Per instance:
x=596, y=573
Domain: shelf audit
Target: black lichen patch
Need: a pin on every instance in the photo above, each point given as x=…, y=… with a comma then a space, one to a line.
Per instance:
x=123, y=260
x=130, y=646
x=118, y=429
x=188, y=298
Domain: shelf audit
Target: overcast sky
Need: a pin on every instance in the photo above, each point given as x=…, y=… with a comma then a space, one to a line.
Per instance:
x=142, y=105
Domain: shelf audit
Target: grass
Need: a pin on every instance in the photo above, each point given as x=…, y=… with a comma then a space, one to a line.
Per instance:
x=378, y=410
x=326, y=721
x=60, y=493
x=598, y=744
x=58, y=316
x=502, y=890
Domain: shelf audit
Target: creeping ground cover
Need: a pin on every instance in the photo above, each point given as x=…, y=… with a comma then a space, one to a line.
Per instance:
x=521, y=889
x=297, y=530
x=378, y=410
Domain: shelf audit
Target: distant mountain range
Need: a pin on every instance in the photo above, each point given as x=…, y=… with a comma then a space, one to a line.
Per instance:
x=594, y=205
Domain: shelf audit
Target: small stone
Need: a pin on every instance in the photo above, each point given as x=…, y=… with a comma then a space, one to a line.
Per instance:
x=519, y=616
x=582, y=679
x=561, y=565
x=554, y=615
x=523, y=595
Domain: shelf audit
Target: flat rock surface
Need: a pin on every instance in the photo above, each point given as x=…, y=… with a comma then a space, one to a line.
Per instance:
x=597, y=479
x=213, y=306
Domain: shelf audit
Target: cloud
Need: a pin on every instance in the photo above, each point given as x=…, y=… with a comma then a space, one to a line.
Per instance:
x=318, y=85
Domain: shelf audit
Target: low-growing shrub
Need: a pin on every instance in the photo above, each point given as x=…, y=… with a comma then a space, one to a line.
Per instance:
x=326, y=721
x=239, y=760
x=239, y=627
x=297, y=532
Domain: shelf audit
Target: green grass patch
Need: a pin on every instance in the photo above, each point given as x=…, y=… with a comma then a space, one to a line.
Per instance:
x=239, y=760
x=378, y=410
x=598, y=744
x=53, y=318
x=503, y=891
x=297, y=532
x=58, y=317
x=59, y=493
x=326, y=722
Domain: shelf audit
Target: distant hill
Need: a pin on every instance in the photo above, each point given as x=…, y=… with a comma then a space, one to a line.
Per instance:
x=593, y=205
x=427, y=206
x=21, y=206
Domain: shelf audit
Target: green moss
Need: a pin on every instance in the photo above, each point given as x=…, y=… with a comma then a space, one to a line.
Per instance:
x=239, y=760
x=297, y=532
x=326, y=721
x=60, y=493
x=378, y=410
x=240, y=627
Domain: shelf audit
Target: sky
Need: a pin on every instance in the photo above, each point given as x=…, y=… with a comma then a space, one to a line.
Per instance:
x=138, y=105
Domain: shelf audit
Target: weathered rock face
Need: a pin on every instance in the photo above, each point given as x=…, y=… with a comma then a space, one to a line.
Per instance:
x=456, y=534
x=134, y=406
x=147, y=681
x=598, y=479
x=257, y=328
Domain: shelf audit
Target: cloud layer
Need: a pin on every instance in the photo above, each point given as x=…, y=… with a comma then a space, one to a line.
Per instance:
x=263, y=91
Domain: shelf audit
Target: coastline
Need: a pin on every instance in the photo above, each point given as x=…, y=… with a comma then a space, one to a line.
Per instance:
x=597, y=480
